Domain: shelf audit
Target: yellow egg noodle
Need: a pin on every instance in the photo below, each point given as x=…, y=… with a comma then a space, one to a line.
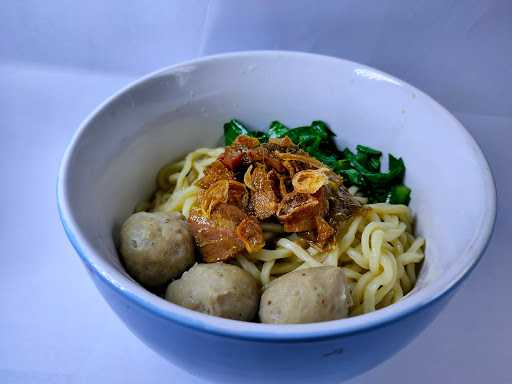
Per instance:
x=376, y=249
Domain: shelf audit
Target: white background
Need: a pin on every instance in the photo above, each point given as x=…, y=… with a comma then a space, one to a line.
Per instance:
x=59, y=59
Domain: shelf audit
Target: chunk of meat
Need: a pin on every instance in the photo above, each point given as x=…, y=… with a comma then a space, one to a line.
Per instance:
x=322, y=236
x=247, y=141
x=251, y=234
x=272, y=162
x=284, y=145
x=214, y=172
x=289, y=167
x=216, y=235
x=262, y=154
x=275, y=182
x=232, y=157
x=342, y=205
x=299, y=224
x=322, y=196
x=280, y=184
x=257, y=154
x=283, y=186
x=236, y=155
x=296, y=211
x=263, y=200
x=223, y=191
x=281, y=143
x=216, y=194
x=237, y=194
x=324, y=232
x=291, y=202
x=228, y=216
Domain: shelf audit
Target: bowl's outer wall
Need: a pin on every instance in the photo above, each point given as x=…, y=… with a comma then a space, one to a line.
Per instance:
x=226, y=360
x=122, y=145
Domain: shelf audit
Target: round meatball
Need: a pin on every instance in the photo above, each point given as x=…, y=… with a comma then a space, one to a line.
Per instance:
x=305, y=296
x=217, y=289
x=156, y=247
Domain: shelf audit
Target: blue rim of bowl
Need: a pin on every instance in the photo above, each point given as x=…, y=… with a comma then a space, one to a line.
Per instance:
x=254, y=331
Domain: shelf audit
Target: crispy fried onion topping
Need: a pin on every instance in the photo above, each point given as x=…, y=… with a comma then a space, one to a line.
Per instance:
x=274, y=182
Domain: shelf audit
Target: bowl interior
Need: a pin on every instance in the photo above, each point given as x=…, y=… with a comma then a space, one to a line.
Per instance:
x=114, y=158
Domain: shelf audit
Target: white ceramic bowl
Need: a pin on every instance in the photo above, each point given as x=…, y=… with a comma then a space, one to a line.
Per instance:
x=112, y=161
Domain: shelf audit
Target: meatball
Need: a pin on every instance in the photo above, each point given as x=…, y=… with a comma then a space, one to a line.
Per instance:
x=156, y=247
x=305, y=296
x=217, y=289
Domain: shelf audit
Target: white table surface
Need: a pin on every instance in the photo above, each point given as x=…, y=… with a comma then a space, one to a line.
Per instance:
x=55, y=327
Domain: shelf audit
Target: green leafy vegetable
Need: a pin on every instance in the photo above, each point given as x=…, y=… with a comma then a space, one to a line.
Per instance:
x=353, y=177
x=369, y=151
x=261, y=136
x=277, y=129
x=233, y=129
x=373, y=183
x=362, y=169
x=400, y=194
